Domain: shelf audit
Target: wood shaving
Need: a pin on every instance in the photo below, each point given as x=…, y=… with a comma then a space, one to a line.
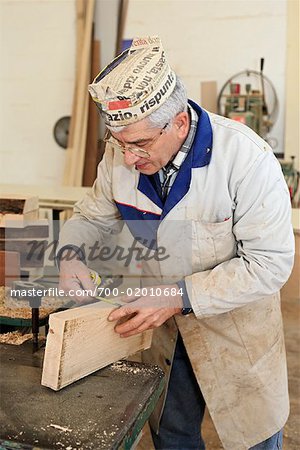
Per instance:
x=58, y=427
x=123, y=367
x=14, y=338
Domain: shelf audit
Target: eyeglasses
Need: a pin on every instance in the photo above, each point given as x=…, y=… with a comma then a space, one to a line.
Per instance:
x=138, y=151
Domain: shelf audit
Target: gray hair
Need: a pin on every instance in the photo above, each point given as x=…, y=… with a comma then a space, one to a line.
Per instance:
x=175, y=104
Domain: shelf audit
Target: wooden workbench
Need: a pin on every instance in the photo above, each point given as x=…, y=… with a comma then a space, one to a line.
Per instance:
x=105, y=410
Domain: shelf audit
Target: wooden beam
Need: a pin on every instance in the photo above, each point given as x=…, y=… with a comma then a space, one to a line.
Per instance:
x=209, y=96
x=91, y=151
x=80, y=24
x=81, y=341
x=75, y=153
x=77, y=160
x=79, y=147
x=9, y=267
x=123, y=8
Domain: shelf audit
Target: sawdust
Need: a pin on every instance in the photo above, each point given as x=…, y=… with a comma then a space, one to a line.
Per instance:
x=20, y=309
x=121, y=366
x=14, y=338
x=59, y=427
x=127, y=367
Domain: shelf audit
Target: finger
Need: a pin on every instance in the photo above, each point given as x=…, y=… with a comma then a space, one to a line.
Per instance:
x=129, y=298
x=132, y=324
x=120, y=312
x=73, y=289
x=155, y=320
x=87, y=283
x=71, y=284
x=81, y=274
x=137, y=331
x=142, y=328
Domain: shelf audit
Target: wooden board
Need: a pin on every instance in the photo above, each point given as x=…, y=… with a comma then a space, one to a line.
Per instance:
x=80, y=23
x=75, y=154
x=123, y=8
x=209, y=96
x=9, y=267
x=81, y=341
x=92, y=138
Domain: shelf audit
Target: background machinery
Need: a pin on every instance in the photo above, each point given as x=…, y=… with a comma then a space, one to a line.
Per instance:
x=249, y=97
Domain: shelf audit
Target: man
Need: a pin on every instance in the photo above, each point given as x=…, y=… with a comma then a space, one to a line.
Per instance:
x=210, y=192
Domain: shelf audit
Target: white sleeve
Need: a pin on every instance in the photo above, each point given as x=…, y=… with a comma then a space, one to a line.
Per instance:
x=265, y=245
x=96, y=216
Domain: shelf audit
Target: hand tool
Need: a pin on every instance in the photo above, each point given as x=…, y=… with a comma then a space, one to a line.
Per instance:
x=97, y=280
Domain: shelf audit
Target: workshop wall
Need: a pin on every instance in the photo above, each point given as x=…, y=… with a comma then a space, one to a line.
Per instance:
x=292, y=137
x=36, y=87
x=205, y=40
x=213, y=40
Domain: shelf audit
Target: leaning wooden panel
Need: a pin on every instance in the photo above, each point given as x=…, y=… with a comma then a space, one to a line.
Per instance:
x=81, y=341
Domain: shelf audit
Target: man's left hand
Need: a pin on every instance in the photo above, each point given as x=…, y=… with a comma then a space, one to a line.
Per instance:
x=148, y=311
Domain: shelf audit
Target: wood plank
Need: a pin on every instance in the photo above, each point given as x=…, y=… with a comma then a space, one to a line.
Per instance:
x=9, y=267
x=84, y=79
x=75, y=154
x=80, y=24
x=91, y=150
x=123, y=8
x=80, y=27
x=81, y=341
x=77, y=172
x=209, y=96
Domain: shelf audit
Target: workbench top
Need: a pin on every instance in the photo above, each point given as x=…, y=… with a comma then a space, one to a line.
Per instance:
x=105, y=410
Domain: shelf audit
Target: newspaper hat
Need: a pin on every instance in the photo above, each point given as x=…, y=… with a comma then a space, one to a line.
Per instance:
x=134, y=84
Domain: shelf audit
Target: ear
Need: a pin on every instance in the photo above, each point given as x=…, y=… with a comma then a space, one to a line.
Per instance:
x=182, y=124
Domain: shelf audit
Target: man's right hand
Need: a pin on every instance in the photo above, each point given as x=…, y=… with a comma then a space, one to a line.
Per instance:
x=75, y=279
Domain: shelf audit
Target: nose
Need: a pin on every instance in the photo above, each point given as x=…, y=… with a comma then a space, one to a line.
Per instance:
x=129, y=158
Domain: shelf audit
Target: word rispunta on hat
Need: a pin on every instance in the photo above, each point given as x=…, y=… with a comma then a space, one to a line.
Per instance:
x=134, y=84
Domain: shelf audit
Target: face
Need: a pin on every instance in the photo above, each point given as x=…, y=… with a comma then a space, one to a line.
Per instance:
x=160, y=144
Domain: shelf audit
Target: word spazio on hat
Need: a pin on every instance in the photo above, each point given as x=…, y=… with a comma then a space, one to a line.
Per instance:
x=134, y=84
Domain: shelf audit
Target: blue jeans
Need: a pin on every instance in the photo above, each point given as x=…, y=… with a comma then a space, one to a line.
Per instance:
x=180, y=426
